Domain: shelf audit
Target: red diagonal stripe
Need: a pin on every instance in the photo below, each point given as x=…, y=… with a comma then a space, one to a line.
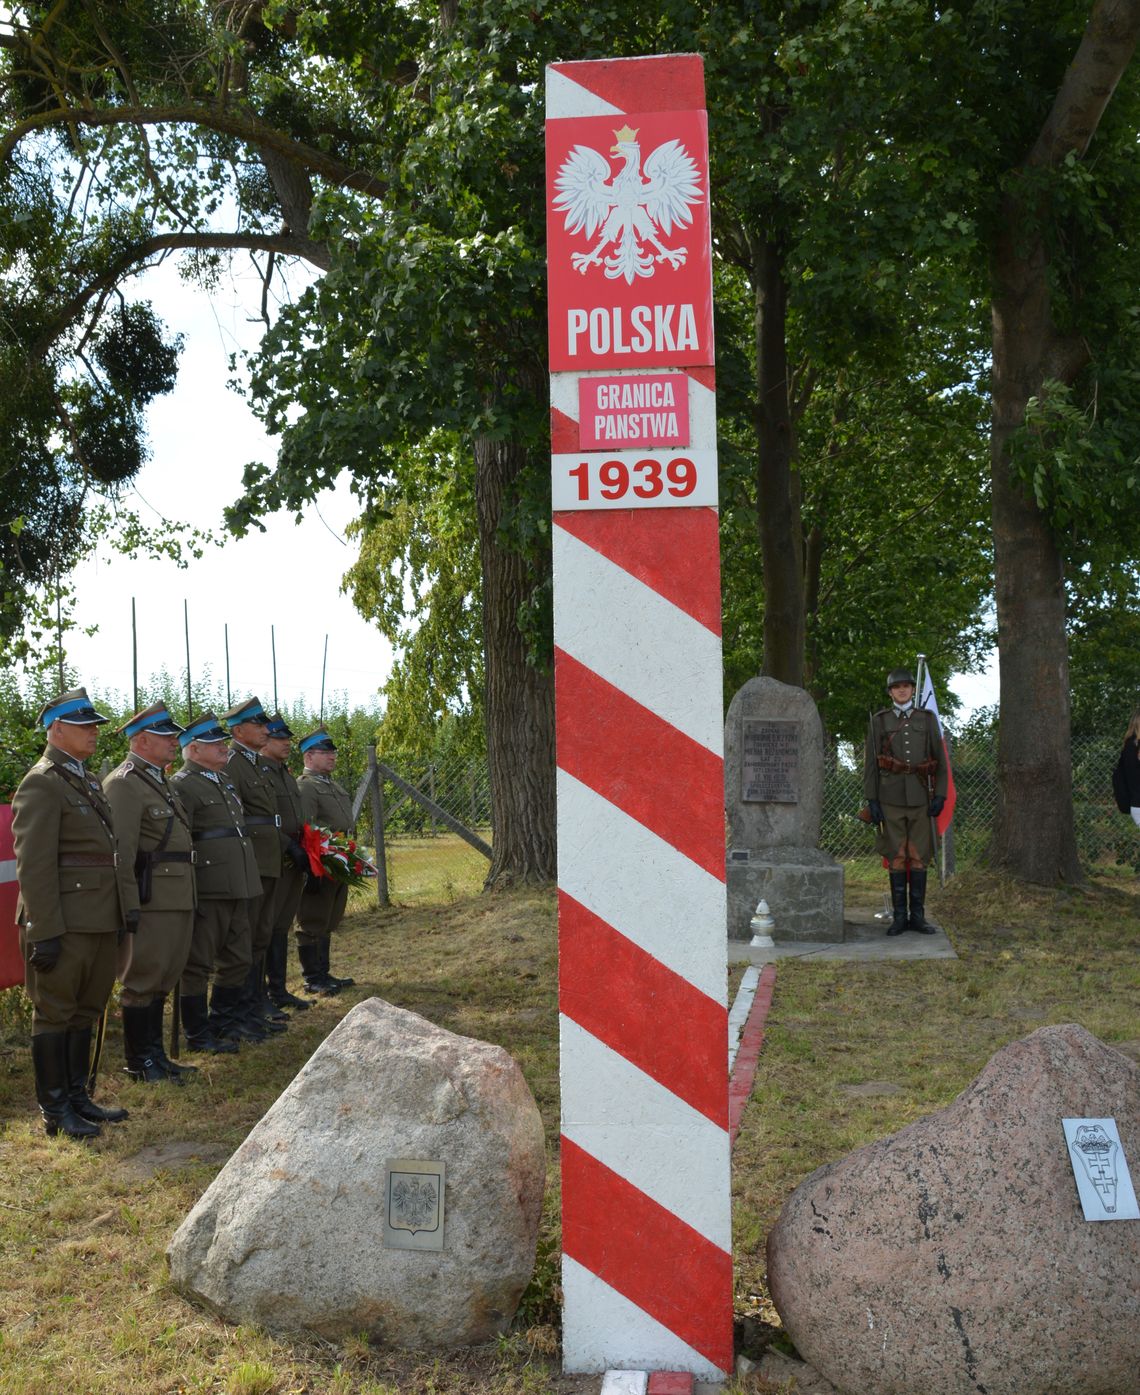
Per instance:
x=656, y=774
x=676, y=552
x=669, y=82
x=668, y=1269
x=564, y=437
x=644, y=1011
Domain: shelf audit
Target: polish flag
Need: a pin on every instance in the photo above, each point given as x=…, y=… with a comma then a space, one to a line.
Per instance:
x=930, y=702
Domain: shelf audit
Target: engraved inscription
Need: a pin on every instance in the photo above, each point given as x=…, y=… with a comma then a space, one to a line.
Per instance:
x=770, y=761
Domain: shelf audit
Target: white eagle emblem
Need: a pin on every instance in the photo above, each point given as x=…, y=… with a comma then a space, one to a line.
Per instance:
x=627, y=205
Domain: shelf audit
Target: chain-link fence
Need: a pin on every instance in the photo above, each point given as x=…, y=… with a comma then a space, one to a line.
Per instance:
x=460, y=786
x=1104, y=837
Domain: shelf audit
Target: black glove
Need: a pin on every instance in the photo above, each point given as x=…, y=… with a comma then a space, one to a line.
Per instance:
x=44, y=954
x=131, y=921
x=297, y=855
x=937, y=804
x=876, y=811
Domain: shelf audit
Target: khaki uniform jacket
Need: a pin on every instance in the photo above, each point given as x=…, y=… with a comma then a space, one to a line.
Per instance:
x=58, y=814
x=288, y=800
x=325, y=802
x=913, y=739
x=253, y=781
x=149, y=816
x=226, y=866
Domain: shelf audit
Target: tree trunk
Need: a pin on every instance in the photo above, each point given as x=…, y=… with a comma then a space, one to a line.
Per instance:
x=519, y=700
x=777, y=480
x=1034, y=833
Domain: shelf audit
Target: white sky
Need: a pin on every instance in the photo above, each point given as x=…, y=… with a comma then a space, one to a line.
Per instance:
x=201, y=437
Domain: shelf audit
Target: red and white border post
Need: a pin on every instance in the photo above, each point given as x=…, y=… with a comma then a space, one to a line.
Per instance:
x=646, y=1224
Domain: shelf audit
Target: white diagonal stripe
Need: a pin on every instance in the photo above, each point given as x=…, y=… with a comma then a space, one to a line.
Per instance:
x=565, y=97
x=642, y=1131
x=626, y=633
x=602, y=1328
x=642, y=886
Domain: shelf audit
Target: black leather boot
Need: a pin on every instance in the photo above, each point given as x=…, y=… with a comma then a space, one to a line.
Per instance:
x=918, y=919
x=228, y=1019
x=898, y=904
x=257, y=1006
x=199, y=1037
x=316, y=977
x=277, y=971
x=53, y=1089
x=176, y=1072
x=137, y=1047
x=326, y=945
x=78, y=1073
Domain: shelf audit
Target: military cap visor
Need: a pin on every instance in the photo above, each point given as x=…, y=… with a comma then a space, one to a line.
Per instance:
x=74, y=708
x=249, y=711
x=205, y=728
x=154, y=719
x=318, y=740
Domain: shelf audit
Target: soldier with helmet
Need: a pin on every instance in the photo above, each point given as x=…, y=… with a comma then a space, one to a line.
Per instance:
x=156, y=852
x=905, y=782
x=329, y=805
x=70, y=912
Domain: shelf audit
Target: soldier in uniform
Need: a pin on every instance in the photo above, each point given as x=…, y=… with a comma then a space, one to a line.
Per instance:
x=226, y=876
x=328, y=804
x=153, y=838
x=253, y=780
x=70, y=912
x=905, y=782
x=295, y=862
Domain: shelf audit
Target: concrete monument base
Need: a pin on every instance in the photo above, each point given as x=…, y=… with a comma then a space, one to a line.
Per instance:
x=802, y=886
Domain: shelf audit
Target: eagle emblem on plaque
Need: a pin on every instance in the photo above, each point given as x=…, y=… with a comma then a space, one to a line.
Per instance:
x=630, y=211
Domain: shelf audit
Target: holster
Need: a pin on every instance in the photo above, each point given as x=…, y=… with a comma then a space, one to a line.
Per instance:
x=144, y=862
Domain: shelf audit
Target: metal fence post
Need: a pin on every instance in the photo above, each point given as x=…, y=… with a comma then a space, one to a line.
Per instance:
x=376, y=790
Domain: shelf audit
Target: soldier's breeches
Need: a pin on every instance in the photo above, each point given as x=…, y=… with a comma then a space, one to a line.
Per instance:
x=151, y=960
x=219, y=946
x=73, y=994
x=261, y=916
x=906, y=837
x=290, y=884
x=320, y=912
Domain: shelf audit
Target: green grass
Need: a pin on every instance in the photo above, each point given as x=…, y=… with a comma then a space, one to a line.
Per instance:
x=85, y=1305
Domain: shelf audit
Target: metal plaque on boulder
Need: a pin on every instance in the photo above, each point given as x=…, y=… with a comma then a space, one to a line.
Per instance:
x=413, y=1214
x=770, y=761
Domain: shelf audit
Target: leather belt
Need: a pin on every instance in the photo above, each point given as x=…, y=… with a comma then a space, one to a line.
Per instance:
x=173, y=857
x=87, y=860
x=238, y=832
x=274, y=819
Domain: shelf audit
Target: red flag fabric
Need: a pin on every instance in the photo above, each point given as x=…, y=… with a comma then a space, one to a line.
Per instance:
x=930, y=702
x=11, y=965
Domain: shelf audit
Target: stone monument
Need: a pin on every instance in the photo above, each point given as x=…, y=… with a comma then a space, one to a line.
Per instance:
x=773, y=788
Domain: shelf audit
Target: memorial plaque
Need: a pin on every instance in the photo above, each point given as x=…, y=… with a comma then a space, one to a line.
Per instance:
x=413, y=1213
x=770, y=761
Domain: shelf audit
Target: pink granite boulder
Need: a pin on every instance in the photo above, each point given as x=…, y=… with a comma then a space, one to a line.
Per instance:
x=953, y=1258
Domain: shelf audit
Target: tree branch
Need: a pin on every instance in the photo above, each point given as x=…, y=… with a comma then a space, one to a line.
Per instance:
x=283, y=244
x=1105, y=50
x=242, y=125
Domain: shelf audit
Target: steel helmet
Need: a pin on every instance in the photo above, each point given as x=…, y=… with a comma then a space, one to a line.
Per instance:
x=899, y=675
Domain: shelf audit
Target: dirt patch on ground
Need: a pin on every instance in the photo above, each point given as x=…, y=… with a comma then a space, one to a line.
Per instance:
x=169, y=1157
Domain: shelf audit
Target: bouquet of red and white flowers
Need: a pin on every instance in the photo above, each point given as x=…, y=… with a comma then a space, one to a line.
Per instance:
x=335, y=855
